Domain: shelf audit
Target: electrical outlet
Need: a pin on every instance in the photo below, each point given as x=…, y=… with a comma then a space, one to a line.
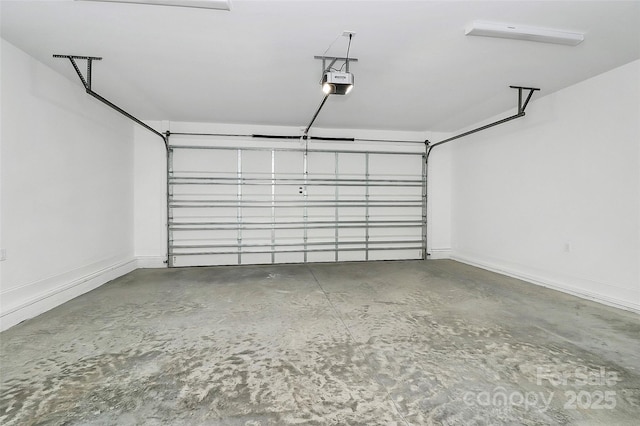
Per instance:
x=567, y=247
x=346, y=33
x=3, y=254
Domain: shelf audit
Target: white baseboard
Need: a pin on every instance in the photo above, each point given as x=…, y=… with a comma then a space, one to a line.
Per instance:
x=439, y=253
x=57, y=290
x=19, y=304
x=532, y=277
x=150, y=262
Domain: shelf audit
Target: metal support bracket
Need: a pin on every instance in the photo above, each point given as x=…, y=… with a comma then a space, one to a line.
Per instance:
x=333, y=60
x=521, y=107
x=86, y=82
x=72, y=58
x=429, y=146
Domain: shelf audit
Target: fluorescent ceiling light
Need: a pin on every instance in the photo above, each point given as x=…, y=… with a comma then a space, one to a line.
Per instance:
x=201, y=4
x=520, y=32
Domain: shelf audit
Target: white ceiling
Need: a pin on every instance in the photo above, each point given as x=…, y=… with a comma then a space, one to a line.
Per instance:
x=416, y=69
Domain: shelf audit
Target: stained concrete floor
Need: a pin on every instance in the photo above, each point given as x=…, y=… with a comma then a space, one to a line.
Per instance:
x=393, y=343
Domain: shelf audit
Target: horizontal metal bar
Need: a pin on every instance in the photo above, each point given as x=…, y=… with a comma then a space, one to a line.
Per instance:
x=294, y=183
x=291, y=182
x=256, y=181
x=311, y=203
x=209, y=174
x=319, y=138
x=236, y=180
x=321, y=222
x=263, y=136
x=268, y=228
x=204, y=206
x=524, y=88
x=94, y=58
x=331, y=151
x=295, y=251
x=247, y=135
x=296, y=137
x=337, y=58
x=301, y=183
x=301, y=243
x=269, y=202
x=388, y=141
x=298, y=183
x=258, y=226
x=330, y=139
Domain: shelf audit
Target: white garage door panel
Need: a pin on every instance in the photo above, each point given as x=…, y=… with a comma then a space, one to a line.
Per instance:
x=253, y=205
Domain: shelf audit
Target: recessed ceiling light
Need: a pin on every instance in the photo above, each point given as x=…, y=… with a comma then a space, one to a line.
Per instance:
x=521, y=32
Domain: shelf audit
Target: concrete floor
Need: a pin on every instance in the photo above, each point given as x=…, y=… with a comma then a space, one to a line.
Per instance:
x=392, y=343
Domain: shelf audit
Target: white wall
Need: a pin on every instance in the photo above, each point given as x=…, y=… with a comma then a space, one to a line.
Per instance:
x=554, y=197
x=67, y=194
x=150, y=189
x=439, y=199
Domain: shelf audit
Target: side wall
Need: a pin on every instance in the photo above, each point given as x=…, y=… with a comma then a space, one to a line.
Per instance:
x=150, y=189
x=553, y=198
x=150, y=205
x=67, y=195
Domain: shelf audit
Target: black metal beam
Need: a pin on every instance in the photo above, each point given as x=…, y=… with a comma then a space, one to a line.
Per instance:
x=75, y=67
x=346, y=139
x=96, y=58
x=306, y=131
x=335, y=58
x=125, y=113
x=520, y=113
x=470, y=132
x=87, y=85
x=89, y=67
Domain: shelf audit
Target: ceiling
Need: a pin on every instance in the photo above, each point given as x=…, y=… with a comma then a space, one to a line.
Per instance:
x=255, y=64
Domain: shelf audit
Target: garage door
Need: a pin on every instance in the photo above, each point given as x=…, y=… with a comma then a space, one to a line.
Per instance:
x=291, y=203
